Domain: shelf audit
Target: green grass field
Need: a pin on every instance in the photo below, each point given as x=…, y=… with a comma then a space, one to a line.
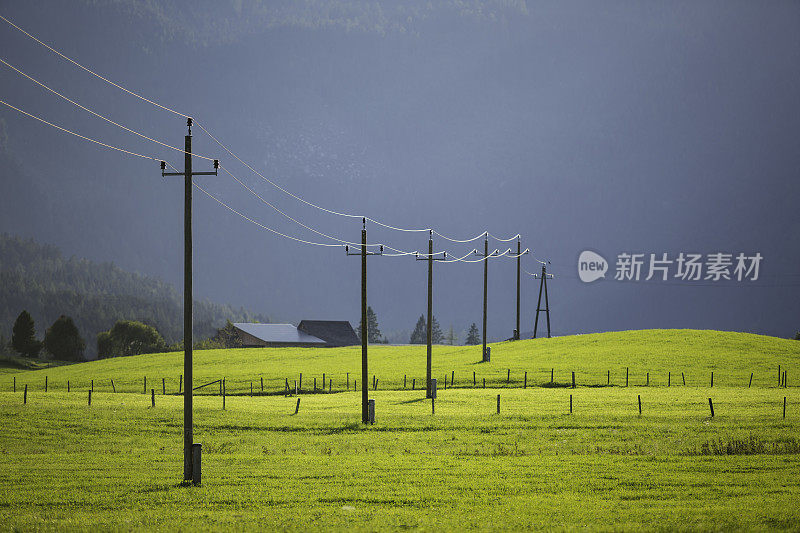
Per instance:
x=118, y=464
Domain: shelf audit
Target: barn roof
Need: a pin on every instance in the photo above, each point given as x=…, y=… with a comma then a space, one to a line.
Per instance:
x=279, y=333
x=333, y=332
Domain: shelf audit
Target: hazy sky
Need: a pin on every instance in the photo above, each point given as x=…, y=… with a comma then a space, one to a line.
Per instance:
x=617, y=127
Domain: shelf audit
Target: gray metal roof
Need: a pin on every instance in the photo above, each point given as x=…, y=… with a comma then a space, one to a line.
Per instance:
x=278, y=333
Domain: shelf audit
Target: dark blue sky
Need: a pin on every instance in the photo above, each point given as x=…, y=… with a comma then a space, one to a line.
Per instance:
x=642, y=127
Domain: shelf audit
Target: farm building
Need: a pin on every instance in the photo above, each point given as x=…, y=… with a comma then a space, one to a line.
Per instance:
x=310, y=333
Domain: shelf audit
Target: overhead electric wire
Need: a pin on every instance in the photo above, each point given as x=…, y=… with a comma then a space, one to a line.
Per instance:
x=341, y=241
x=259, y=223
x=77, y=134
x=98, y=115
x=285, y=191
x=90, y=71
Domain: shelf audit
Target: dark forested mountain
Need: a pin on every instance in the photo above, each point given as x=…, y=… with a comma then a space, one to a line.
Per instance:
x=37, y=277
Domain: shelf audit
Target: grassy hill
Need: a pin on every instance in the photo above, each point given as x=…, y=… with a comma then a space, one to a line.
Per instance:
x=549, y=459
x=686, y=354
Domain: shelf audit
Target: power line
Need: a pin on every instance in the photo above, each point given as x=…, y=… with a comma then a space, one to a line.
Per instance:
x=259, y=224
x=95, y=141
x=90, y=71
x=285, y=191
x=77, y=134
x=98, y=115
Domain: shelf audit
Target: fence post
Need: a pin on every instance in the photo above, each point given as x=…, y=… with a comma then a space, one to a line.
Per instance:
x=608, y=381
x=300, y=383
x=67, y=385
x=113, y=388
x=648, y=379
x=251, y=389
x=295, y=387
x=90, y=398
x=15, y=383
x=573, y=380
x=474, y=379
x=92, y=385
x=779, y=375
x=330, y=384
x=315, y=383
x=712, y=380
x=152, y=397
x=433, y=405
x=371, y=411
x=297, y=406
x=445, y=382
x=413, y=383
x=784, y=407
x=452, y=378
x=570, y=404
x=484, y=383
x=376, y=384
x=508, y=377
x=552, y=371
x=25, y=395
x=180, y=383
x=163, y=386
x=223, y=394
x=144, y=390
x=684, y=379
x=498, y=404
x=525, y=381
x=626, y=376
x=669, y=379
x=323, y=381
x=711, y=406
x=751, y=380
x=348, y=381
x=45, y=383
x=405, y=378
x=262, y=383
x=640, y=405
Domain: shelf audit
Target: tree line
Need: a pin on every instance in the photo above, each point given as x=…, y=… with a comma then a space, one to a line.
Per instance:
x=420, y=333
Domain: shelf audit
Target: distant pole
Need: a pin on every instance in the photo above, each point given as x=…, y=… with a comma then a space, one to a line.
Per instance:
x=485, y=288
x=519, y=258
x=188, y=438
x=429, y=326
x=542, y=289
x=364, y=329
x=430, y=313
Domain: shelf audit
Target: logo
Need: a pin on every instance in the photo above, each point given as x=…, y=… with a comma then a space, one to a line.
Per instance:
x=591, y=266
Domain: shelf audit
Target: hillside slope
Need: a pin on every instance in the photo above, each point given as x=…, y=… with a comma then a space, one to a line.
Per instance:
x=669, y=356
x=37, y=277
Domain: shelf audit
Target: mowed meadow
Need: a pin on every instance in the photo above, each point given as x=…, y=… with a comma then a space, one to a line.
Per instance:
x=117, y=464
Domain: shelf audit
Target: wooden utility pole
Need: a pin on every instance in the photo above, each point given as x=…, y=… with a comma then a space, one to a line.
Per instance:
x=188, y=439
x=364, y=326
x=520, y=253
x=543, y=286
x=430, y=259
x=485, y=286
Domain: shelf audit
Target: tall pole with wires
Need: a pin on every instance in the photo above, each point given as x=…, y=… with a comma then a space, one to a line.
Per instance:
x=485, y=287
x=429, y=366
x=188, y=434
x=364, y=325
x=519, y=257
